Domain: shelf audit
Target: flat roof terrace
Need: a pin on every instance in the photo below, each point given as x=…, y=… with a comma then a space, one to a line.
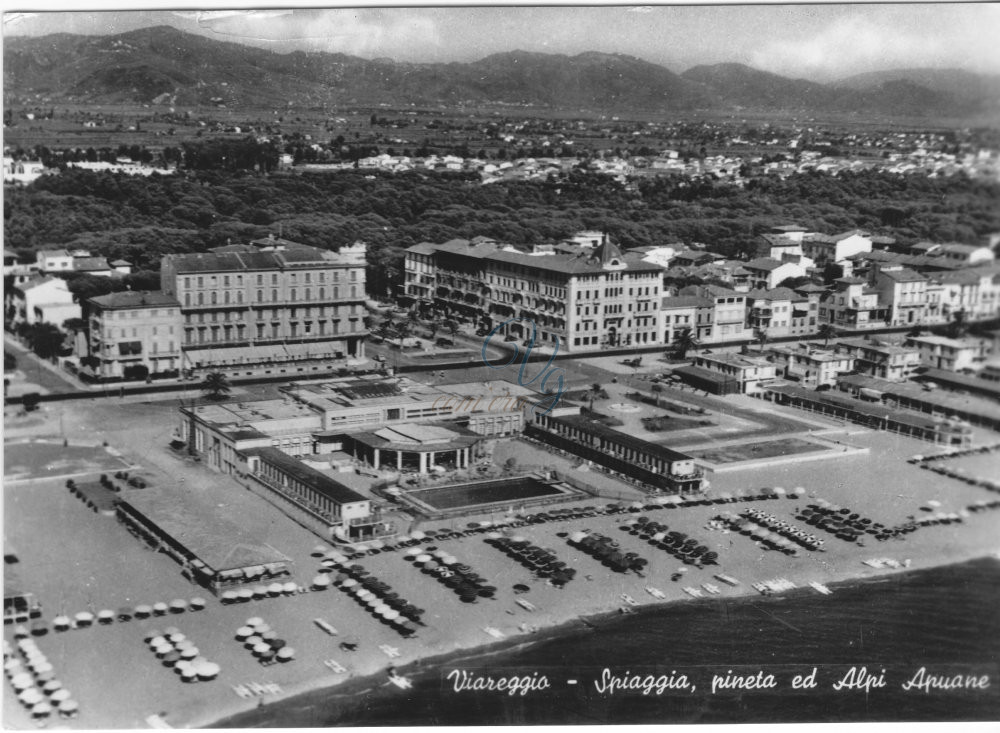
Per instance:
x=229, y=413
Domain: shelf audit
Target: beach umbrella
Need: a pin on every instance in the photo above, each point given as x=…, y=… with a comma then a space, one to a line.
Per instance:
x=318, y=551
x=291, y=587
x=362, y=548
x=259, y=591
x=160, y=608
x=321, y=581
x=197, y=604
x=30, y=696
x=178, y=605
x=68, y=707
x=261, y=648
x=286, y=654
x=229, y=596
x=418, y=535
x=254, y=621
x=12, y=667
x=177, y=637
x=61, y=623
x=275, y=589
x=41, y=709
x=22, y=681
x=245, y=594
x=208, y=670
x=171, y=658
x=59, y=695
x=189, y=674
x=84, y=618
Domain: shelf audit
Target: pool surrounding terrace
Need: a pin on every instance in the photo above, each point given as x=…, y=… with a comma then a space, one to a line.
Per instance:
x=783, y=450
x=490, y=495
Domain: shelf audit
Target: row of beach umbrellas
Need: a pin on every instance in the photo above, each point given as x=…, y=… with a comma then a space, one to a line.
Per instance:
x=375, y=595
x=84, y=619
x=179, y=653
x=33, y=679
x=544, y=563
x=259, y=592
x=454, y=574
x=686, y=549
x=604, y=549
x=762, y=525
x=263, y=642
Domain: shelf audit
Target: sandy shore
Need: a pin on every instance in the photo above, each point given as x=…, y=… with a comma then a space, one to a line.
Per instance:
x=119, y=682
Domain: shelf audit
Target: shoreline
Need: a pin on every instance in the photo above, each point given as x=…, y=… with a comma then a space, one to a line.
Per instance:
x=581, y=624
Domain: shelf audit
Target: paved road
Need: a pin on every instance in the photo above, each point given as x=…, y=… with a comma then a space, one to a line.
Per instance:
x=37, y=371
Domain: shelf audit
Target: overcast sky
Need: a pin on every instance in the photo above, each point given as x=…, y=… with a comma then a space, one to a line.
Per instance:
x=818, y=42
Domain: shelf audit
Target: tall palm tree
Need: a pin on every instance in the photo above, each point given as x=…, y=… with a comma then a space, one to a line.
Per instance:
x=761, y=334
x=826, y=331
x=684, y=342
x=216, y=385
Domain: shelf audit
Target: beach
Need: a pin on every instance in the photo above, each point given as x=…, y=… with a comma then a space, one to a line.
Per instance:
x=119, y=682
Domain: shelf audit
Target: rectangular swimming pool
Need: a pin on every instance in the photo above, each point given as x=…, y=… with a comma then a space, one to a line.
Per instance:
x=497, y=491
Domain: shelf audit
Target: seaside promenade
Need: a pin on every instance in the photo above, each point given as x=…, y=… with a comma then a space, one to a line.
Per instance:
x=78, y=560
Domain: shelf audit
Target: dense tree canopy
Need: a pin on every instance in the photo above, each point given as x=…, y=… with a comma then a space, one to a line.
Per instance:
x=141, y=219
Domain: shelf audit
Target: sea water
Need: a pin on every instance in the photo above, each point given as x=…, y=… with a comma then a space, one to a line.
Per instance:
x=869, y=652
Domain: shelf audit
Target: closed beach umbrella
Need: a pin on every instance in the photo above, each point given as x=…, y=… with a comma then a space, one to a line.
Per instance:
x=286, y=653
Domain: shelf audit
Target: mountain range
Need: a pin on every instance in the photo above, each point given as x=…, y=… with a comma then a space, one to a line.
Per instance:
x=163, y=65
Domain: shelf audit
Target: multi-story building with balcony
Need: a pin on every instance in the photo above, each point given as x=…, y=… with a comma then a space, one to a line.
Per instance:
x=134, y=335
x=581, y=298
x=853, y=305
x=904, y=291
x=272, y=302
x=879, y=358
x=811, y=366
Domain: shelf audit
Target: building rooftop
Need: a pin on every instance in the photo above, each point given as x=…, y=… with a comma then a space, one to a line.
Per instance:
x=773, y=294
x=134, y=299
x=581, y=422
x=686, y=301
x=737, y=360
x=763, y=263
x=229, y=259
x=217, y=542
x=904, y=275
x=319, y=482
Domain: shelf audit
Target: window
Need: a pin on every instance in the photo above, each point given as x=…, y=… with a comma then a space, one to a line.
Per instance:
x=274, y=296
x=201, y=299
